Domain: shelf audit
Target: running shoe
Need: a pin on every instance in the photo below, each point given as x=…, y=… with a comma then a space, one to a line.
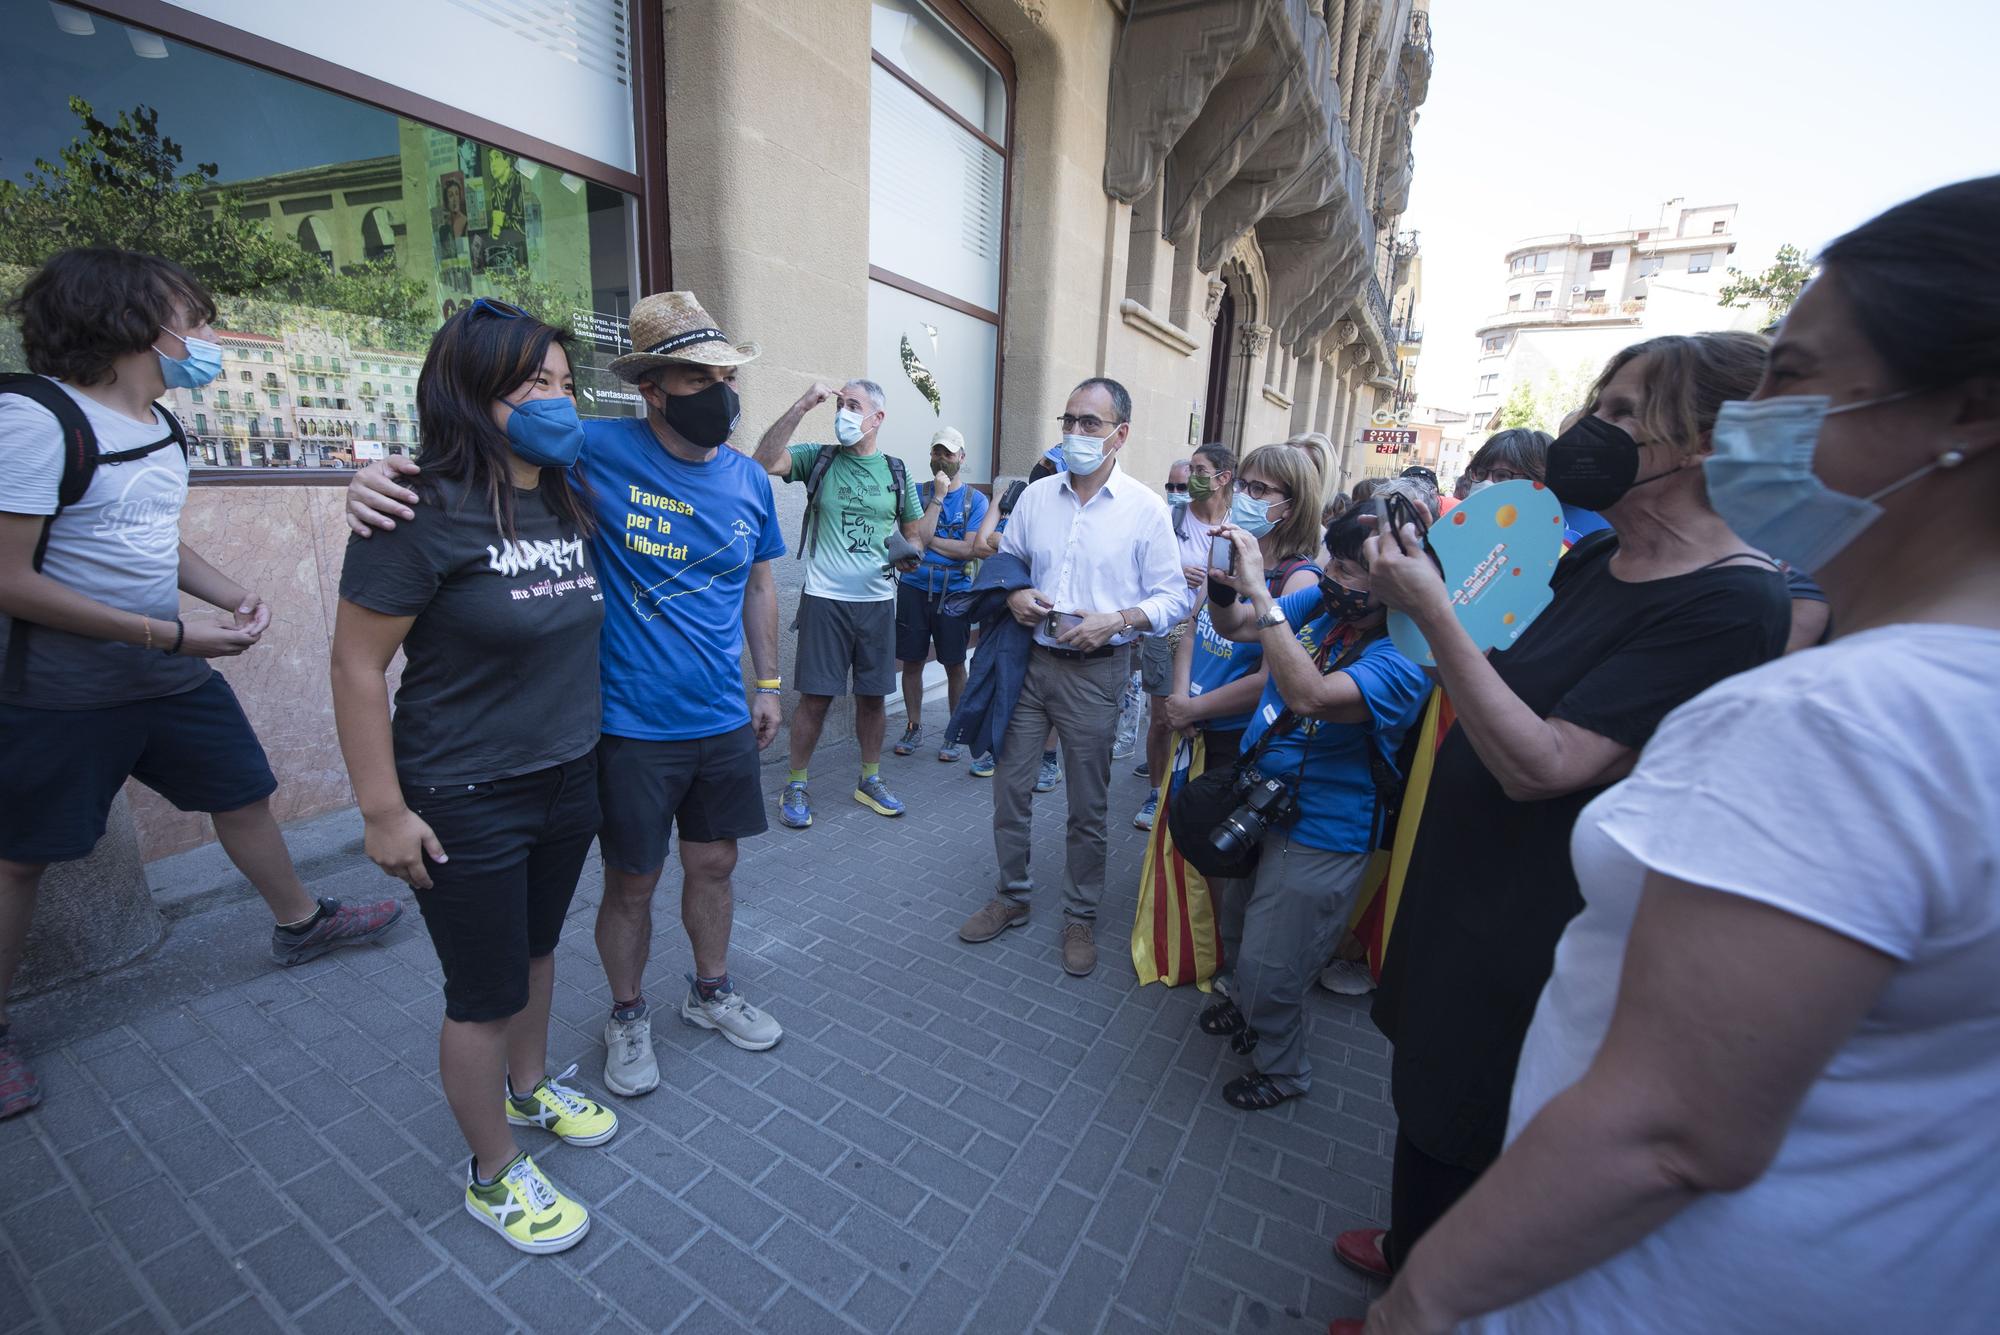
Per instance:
x=874, y=794
x=730, y=1015
x=563, y=1111
x=983, y=766
x=1051, y=775
x=794, y=807
x=525, y=1208
x=339, y=925
x=907, y=744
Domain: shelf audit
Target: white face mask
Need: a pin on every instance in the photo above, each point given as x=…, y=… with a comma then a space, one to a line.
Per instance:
x=1478, y=487
x=847, y=427
x=1082, y=455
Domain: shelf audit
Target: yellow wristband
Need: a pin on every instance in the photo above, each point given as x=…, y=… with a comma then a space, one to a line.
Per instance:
x=771, y=685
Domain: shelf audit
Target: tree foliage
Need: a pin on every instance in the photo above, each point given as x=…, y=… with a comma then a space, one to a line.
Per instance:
x=1775, y=289
x=1542, y=405
x=123, y=183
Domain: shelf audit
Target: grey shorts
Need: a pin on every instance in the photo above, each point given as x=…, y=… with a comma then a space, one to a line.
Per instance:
x=1156, y=664
x=838, y=640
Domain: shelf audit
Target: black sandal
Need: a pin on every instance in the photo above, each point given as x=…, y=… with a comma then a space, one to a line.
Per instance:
x=1222, y=1018
x=1242, y=1041
x=1255, y=1092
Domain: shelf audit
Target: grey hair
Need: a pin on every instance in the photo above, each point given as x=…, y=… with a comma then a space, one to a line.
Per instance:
x=1180, y=463
x=1121, y=398
x=872, y=390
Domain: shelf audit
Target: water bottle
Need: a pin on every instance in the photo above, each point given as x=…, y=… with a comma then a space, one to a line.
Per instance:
x=1132, y=710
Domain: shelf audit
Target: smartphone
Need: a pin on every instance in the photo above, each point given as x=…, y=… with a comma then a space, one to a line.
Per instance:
x=1222, y=554
x=1055, y=623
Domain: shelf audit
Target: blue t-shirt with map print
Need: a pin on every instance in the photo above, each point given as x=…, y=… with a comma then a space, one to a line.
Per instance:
x=674, y=545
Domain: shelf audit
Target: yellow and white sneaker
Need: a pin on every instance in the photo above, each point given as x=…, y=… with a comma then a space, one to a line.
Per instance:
x=563, y=1111
x=524, y=1207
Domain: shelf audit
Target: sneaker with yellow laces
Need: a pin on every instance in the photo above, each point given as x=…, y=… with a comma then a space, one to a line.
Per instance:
x=524, y=1207
x=563, y=1111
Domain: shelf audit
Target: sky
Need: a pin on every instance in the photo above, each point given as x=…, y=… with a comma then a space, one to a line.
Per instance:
x=1582, y=116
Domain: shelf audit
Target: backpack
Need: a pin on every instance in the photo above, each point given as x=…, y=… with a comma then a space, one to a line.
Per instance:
x=899, y=482
x=80, y=462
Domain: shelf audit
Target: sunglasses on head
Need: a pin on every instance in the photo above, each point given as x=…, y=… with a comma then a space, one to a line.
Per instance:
x=498, y=309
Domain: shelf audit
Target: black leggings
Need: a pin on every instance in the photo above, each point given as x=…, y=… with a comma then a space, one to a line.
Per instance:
x=1421, y=1190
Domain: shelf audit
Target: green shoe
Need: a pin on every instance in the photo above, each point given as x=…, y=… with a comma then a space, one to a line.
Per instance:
x=563, y=1111
x=524, y=1207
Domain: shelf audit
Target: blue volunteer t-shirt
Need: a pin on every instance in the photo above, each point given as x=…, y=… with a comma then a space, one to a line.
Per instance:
x=674, y=545
x=1336, y=789
x=959, y=517
x=1216, y=663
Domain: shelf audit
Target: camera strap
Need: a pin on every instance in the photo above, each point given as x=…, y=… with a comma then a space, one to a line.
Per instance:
x=1288, y=720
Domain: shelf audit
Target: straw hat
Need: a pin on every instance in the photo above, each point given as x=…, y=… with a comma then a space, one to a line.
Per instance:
x=671, y=327
x=949, y=437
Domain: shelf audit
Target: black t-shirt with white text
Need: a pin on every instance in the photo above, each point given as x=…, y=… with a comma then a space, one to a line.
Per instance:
x=501, y=675
x=1490, y=887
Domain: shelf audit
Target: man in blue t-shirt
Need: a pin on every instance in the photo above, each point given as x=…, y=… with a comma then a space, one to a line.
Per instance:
x=1354, y=695
x=920, y=594
x=686, y=532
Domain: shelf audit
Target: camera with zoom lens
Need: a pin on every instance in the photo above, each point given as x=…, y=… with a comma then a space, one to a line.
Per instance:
x=1264, y=803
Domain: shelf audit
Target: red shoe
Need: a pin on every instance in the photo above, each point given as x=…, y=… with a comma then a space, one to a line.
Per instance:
x=19, y=1090
x=1361, y=1249
x=340, y=925
x=1345, y=1325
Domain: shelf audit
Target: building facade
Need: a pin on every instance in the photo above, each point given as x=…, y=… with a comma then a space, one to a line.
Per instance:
x=1569, y=301
x=976, y=203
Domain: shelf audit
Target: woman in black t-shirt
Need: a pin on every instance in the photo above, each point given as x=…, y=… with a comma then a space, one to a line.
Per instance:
x=1645, y=617
x=482, y=793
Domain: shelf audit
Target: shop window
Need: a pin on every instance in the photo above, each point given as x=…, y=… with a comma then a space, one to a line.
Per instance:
x=354, y=228
x=938, y=163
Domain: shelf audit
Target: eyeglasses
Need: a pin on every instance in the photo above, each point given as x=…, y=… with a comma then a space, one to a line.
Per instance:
x=1262, y=491
x=1177, y=488
x=500, y=309
x=1501, y=475
x=1089, y=424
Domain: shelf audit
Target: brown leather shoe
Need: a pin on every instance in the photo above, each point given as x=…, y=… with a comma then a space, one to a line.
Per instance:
x=1079, y=948
x=993, y=919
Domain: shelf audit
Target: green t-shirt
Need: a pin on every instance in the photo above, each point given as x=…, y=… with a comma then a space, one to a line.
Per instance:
x=850, y=532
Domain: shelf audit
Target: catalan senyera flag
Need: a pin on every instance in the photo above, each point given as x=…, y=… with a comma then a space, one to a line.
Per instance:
x=1375, y=914
x=1174, y=939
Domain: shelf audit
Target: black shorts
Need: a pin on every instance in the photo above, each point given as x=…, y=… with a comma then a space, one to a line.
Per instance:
x=712, y=786
x=60, y=769
x=919, y=624
x=839, y=640
x=514, y=850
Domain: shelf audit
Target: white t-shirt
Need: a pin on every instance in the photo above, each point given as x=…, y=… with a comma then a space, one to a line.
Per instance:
x=118, y=544
x=1856, y=786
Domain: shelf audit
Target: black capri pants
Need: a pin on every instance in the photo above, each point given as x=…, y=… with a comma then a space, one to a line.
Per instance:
x=515, y=848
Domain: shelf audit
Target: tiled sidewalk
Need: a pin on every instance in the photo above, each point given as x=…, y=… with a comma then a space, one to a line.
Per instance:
x=949, y=1138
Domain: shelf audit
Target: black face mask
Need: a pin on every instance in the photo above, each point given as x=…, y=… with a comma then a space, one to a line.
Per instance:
x=705, y=419
x=1592, y=465
x=1343, y=603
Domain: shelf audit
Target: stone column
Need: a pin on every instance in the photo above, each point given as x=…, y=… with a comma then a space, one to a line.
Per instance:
x=92, y=915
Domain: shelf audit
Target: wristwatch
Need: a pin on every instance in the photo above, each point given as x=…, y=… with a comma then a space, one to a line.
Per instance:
x=1274, y=617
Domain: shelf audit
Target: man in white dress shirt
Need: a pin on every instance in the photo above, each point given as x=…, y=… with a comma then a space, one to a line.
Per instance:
x=1106, y=569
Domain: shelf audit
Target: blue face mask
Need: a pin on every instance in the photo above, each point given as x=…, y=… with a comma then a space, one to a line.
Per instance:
x=1761, y=479
x=546, y=432
x=1253, y=517
x=201, y=366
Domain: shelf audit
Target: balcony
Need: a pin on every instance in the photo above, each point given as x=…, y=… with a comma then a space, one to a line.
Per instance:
x=1595, y=313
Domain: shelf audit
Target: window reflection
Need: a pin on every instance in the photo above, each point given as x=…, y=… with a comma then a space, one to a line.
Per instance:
x=336, y=235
